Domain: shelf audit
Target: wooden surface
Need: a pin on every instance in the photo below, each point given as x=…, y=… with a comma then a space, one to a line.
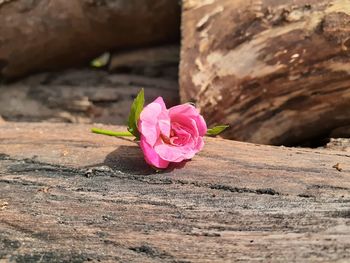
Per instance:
x=81, y=96
x=67, y=195
x=274, y=70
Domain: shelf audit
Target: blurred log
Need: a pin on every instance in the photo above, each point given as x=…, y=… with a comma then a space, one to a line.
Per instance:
x=41, y=35
x=341, y=132
x=68, y=195
x=160, y=61
x=277, y=71
x=80, y=96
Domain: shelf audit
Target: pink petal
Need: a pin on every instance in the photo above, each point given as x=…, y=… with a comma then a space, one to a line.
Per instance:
x=169, y=152
x=164, y=124
x=189, y=111
x=151, y=157
x=202, y=125
x=186, y=124
x=173, y=153
x=160, y=101
x=182, y=136
x=200, y=144
x=154, y=119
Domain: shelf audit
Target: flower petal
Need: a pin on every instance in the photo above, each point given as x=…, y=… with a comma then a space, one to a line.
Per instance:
x=151, y=157
x=164, y=124
x=189, y=111
x=154, y=119
x=160, y=101
x=173, y=153
x=169, y=152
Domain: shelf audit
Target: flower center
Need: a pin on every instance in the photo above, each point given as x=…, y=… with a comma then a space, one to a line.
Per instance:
x=178, y=136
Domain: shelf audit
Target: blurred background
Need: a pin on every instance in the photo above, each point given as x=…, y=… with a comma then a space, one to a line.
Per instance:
x=278, y=72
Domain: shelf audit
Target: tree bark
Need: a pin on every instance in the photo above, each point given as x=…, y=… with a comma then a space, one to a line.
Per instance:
x=40, y=35
x=276, y=71
x=68, y=195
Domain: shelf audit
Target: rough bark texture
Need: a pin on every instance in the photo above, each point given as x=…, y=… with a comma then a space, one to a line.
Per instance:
x=276, y=71
x=40, y=34
x=71, y=196
x=81, y=96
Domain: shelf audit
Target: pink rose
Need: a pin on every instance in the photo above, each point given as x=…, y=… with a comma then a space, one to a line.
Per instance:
x=170, y=135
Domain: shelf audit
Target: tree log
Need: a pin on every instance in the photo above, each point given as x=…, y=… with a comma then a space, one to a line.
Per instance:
x=68, y=195
x=80, y=96
x=41, y=35
x=276, y=71
x=161, y=61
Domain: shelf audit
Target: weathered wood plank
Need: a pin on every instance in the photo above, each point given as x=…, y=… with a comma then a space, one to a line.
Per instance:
x=76, y=196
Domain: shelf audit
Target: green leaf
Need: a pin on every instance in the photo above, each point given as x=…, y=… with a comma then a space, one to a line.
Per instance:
x=135, y=111
x=217, y=130
x=101, y=61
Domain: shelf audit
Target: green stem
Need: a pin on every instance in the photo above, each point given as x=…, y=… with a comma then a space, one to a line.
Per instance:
x=111, y=133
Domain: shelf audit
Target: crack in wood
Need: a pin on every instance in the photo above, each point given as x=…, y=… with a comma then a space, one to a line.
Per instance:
x=211, y=209
x=51, y=257
x=151, y=252
x=21, y=182
x=30, y=165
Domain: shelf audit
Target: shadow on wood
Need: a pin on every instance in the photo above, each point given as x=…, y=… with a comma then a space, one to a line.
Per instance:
x=69, y=195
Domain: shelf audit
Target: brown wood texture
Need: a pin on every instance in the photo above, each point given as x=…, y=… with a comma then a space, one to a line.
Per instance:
x=154, y=61
x=276, y=71
x=39, y=35
x=67, y=195
x=80, y=96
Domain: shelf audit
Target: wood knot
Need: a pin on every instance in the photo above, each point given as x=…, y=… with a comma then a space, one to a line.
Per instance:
x=336, y=27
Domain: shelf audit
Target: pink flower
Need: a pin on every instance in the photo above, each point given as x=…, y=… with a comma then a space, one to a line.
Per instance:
x=170, y=135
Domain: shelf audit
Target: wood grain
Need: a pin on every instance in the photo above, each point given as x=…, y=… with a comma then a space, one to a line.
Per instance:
x=67, y=195
x=273, y=70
